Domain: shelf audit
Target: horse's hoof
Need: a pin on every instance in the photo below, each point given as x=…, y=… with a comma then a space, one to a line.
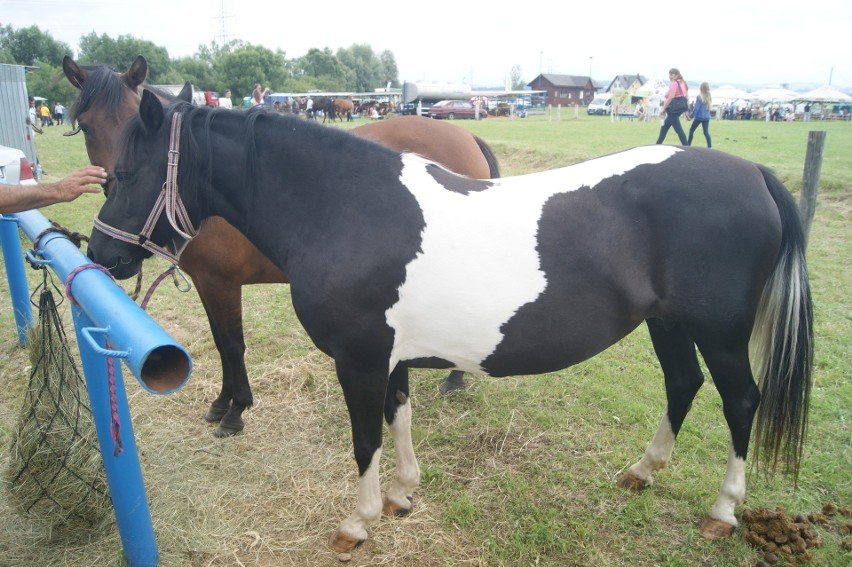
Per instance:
x=393, y=509
x=342, y=543
x=228, y=429
x=631, y=482
x=712, y=528
x=451, y=385
x=216, y=413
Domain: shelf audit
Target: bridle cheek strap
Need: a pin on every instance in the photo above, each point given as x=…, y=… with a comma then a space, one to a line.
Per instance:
x=169, y=201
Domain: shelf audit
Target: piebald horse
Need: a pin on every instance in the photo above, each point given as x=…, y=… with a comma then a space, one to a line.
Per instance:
x=395, y=263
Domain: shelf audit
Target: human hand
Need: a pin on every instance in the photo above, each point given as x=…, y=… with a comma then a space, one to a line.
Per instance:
x=80, y=181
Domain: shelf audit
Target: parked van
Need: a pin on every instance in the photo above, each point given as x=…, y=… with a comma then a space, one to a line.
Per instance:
x=601, y=104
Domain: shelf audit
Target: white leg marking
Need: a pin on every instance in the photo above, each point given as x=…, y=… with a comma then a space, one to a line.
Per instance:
x=657, y=454
x=733, y=491
x=407, y=470
x=369, y=507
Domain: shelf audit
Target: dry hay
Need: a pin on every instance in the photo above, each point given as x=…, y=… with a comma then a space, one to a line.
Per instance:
x=55, y=474
x=778, y=534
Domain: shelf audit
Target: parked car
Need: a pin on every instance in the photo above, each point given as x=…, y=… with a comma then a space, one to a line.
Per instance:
x=601, y=104
x=15, y=168
x=452, y=109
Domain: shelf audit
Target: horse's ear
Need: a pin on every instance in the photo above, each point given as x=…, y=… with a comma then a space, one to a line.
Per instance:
x=136, y=73
x=185, y=93
x=76, y=75
x=151, y=112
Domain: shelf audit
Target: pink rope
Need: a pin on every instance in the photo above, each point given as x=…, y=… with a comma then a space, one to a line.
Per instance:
x=115, y=423
x=76, y=271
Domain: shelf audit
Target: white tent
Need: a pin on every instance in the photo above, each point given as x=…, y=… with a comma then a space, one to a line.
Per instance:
x=825, y=93
x=651, y=88
x=727, y=94
x=774, y=93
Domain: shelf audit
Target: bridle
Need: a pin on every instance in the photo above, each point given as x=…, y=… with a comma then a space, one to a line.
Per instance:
x=168, y=201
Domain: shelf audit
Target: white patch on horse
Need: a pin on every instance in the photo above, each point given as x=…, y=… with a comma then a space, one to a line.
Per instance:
x=368, y=509
x=478, y=262
x=733, y=490
x=657, y=454
x=407, y=471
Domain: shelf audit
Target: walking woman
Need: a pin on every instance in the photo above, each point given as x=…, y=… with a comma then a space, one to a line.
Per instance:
x=701, y=113
x=674, y=105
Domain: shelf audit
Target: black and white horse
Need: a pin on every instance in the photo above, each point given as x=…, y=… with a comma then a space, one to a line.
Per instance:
x=396, y=263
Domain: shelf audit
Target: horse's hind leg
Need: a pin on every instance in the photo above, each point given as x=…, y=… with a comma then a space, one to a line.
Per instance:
x=676, y=352
x=727, y=360
x=399, y=496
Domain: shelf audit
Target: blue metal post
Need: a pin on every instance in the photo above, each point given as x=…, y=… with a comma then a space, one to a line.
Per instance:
x=18, y=288
x=123, y=471
x=160, y=364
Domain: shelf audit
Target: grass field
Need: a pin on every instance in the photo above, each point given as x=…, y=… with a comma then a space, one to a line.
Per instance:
x=515, y=471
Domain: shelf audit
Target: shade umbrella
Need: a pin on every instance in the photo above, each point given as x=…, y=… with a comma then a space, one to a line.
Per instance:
x=825, y=93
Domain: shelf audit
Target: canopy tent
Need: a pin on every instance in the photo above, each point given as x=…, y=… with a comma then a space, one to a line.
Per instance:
x=651, y=88
x=727, y=94
x=825, y=93
x=774, y=93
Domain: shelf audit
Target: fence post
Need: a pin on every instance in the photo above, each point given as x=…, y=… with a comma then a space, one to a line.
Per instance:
x=15, y=274
x=810, y=178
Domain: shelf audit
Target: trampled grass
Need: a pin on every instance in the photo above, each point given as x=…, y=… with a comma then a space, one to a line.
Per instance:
x=515, y=471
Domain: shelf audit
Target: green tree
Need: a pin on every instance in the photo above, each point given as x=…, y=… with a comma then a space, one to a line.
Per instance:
x=197, y=71
x=325, y=69
x=516, y=78
x=364, y=64
x=49, y=82
x=390, y=72
x=119, y=53
x=248, y=64
x=30, y=46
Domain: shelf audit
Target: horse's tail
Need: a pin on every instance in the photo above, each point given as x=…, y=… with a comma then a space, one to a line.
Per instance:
x=782, y=341
x=493, y=166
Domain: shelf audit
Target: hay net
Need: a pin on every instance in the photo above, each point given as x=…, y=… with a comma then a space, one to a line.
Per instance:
x=55, y=472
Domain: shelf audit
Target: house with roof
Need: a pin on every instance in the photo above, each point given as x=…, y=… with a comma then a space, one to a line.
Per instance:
x=565, y=90
x=627, y=82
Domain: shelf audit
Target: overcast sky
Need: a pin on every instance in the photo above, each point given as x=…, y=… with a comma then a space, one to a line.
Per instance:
x=743, y=42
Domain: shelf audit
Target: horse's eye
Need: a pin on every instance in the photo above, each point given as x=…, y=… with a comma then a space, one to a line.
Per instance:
x=123, y=175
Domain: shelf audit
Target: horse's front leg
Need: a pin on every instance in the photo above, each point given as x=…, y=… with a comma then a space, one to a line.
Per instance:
x=222, y=301
x=399, y=496
x=364, y=392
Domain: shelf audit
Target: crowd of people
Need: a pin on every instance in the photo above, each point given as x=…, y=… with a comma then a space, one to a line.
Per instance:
x=45, y=115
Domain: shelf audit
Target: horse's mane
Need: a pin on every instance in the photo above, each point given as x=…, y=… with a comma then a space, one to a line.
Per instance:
x=103, y=87
x=196, y=145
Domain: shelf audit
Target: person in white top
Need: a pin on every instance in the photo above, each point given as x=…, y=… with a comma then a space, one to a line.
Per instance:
x=225, y=101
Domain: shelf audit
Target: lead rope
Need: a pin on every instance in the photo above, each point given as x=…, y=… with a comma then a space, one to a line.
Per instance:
x=114, y=422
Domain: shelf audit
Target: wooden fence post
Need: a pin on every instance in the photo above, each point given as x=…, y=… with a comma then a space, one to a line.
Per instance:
x=810, y=178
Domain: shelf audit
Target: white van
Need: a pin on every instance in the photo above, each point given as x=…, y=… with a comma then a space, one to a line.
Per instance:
x=601, y=104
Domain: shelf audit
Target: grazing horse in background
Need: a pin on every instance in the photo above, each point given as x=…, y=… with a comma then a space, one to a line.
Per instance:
x=108, y=99
x=395, y=263
x=343, y=107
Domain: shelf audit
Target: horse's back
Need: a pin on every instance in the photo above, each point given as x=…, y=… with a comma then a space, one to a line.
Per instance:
x=589, y=251
x=452, y=146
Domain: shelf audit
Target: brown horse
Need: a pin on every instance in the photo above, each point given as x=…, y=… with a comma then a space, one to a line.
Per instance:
x=107, y=99
x=343, y=108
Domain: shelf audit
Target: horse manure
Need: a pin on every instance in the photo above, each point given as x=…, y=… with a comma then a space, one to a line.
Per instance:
x=780, y=535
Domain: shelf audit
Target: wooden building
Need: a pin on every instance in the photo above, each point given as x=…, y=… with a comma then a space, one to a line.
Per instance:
x=565, y=90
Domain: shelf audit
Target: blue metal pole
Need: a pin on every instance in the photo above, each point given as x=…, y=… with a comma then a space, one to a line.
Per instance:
x=123, y=471
x=18, y=288
x=160, y=364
